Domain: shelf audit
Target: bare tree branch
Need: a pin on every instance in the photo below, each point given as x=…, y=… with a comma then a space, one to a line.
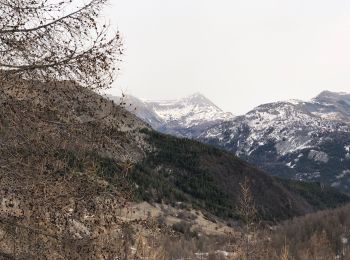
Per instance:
x=40, y=40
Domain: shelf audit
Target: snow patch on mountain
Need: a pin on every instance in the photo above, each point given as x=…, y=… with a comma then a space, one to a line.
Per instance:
x=345, y=173
x=318, y=156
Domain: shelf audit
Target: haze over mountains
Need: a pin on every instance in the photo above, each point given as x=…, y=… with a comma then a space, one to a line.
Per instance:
x=304, y=140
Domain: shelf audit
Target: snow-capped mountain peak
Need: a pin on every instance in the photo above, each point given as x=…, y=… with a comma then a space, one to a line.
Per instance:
x=186, y=116
x=189, y=111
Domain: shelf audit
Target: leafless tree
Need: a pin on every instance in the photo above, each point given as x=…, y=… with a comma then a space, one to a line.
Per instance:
x=248, y=213
x=50, y=40
x=47, y=45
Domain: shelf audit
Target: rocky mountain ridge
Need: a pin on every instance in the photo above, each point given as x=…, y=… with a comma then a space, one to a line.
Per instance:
x=294, y=139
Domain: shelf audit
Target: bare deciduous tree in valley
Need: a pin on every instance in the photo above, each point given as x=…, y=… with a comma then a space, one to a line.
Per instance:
x=248, y=213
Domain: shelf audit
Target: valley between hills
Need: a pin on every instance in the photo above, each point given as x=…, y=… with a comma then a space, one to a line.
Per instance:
x=78, y=170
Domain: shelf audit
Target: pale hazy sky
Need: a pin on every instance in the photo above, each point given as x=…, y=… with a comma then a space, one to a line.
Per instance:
x=239, y=53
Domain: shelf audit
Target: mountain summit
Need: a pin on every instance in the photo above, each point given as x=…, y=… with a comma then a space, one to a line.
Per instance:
x=186, y=117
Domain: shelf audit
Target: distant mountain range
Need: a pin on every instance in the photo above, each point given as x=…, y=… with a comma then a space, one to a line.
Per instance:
x=303, y=140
